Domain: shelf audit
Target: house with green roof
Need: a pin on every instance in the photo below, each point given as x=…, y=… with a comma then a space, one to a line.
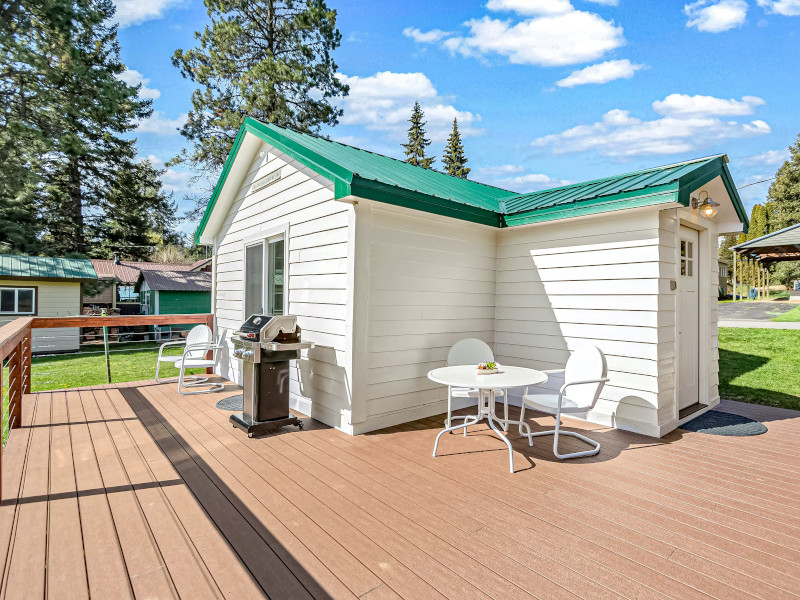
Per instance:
x=46, y=287
x=386, y=265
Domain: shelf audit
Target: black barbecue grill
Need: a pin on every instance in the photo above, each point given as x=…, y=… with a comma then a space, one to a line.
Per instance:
x=266, y=344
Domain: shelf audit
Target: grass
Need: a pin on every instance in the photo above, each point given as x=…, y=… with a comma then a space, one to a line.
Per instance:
x=792, y=316
x=129, y=362
x=760, y=366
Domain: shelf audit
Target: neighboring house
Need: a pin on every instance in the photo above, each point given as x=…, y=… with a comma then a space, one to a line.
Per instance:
x=174, y=293
x=387, y=265
x=121, y=277
x=725, y=285
x=44, y=287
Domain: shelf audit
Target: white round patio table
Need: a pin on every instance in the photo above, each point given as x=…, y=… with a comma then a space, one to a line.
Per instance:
x=466, y=376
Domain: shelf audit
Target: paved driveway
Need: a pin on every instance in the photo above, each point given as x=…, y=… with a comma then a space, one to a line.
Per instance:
x=753, y=311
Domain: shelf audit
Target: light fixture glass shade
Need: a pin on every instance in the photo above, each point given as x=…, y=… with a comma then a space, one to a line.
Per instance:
x=709, y=211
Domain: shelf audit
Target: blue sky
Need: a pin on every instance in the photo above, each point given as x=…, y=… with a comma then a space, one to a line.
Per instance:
x=546, y=91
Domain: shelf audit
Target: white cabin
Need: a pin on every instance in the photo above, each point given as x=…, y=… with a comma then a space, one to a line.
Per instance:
x=387, y=265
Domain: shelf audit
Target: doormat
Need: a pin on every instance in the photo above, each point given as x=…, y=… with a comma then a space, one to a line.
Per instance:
x=715, y=422
x=231, y=403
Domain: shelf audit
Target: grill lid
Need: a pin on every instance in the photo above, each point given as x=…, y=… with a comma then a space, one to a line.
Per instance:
x=265, y=328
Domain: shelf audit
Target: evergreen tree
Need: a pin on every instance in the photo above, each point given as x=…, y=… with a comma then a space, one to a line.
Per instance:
x=758, y=222
x=139, y=215
x=453, y=158
x=785, y=190
x=268, y=59
x=96, y=109
x=724, y=252
x=417, y=142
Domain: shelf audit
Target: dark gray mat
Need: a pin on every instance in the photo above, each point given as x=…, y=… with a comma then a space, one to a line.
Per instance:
x=231, y=403
x=715, y=422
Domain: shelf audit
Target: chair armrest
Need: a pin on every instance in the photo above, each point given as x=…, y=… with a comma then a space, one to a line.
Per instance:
x=165, y=344
x=566, y=385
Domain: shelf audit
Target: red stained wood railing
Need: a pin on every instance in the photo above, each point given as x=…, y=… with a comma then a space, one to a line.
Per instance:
x=15, y=352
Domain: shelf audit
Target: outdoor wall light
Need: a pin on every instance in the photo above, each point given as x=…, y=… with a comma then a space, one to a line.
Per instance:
x=707, y=207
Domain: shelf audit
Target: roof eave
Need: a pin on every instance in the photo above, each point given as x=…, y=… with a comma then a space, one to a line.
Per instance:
x=715, y=167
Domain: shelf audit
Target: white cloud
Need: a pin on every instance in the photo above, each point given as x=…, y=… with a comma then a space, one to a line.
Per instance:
x=716, y=17
x=134, y=12
x=531, y=182
x=157, y=123
x=135, y=78
x=618, y=134
x=173, y=180
x=601, y=73
x=768, y=158
x=531, y=7
x=555, y=40
x=683, y=105
x=383, y=102
x=605, y=2
x=499, y=170
x=787, y=8
x=425, y=37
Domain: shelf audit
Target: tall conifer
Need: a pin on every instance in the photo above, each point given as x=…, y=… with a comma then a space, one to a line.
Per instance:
x=417, y=142
x=453, y=158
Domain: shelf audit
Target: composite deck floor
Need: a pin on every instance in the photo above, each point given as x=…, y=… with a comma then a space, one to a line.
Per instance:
x=133, y=491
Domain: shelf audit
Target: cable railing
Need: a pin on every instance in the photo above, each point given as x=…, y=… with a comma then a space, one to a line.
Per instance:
x=49, y=353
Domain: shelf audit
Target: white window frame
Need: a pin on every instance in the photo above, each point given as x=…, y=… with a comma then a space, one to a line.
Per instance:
x=16, y=291
x=263, y=239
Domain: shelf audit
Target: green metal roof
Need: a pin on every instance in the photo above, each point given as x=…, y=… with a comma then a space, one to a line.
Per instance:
x=670, y=183
x=357, y=172
x=364, y=174
x=45, y=267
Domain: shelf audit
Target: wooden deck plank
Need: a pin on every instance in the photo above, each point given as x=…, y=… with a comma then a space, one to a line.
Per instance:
x=282, y=495
x=258, y=553
x=146, y=568
x=27, y=568
x=66, y=567
x=170, y=501
x=232, y=578
x=14, y=460
x=105, y=565
x=186, y=568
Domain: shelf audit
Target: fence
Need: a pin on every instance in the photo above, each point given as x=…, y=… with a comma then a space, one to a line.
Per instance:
x=19, y=338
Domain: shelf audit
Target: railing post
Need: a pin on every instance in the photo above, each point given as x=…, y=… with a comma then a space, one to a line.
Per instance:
x=15, y=385
x=209, y=355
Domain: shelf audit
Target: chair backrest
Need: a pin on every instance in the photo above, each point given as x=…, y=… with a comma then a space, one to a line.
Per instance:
x=469, y=351
x=199, y=334
x=587, y=362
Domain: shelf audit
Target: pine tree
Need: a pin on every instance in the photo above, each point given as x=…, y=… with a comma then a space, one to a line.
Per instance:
x=758, y=222
x=785, y=190
x=417, y=142
x=453, y=158
x=724, y=252
x=139, y=215
x=96, y=109
x=267, y=59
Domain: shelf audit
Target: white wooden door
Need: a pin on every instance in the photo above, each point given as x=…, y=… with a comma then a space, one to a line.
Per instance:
x=688, y=319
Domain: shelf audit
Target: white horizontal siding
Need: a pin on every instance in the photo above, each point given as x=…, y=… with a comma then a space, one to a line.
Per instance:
x=599, y=282
x=431, y=282
x=316, y=281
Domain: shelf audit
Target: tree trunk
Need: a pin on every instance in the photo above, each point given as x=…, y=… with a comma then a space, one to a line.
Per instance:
x=76, y=206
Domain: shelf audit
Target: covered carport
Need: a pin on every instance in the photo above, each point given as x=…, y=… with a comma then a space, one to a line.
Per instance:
x=760, y=253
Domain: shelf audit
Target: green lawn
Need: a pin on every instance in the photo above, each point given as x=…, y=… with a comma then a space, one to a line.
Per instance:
x=761, y=366
x=793, y=316
x=129, y=362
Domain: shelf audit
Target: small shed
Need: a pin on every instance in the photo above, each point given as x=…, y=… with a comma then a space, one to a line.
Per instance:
x=174, y=292
x=44, y=287
x=387, y=265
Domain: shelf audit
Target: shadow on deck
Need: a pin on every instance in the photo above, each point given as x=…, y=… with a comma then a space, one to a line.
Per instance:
x=135, y=491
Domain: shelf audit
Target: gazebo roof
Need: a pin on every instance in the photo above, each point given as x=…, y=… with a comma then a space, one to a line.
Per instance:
x=774, y=247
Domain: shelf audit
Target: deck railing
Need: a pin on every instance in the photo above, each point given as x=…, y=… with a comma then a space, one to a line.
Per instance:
x=16, y=343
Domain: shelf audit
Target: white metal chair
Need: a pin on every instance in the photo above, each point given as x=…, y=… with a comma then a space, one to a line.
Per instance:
x=469, y=351
x=584, y=377
x=198, y=343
